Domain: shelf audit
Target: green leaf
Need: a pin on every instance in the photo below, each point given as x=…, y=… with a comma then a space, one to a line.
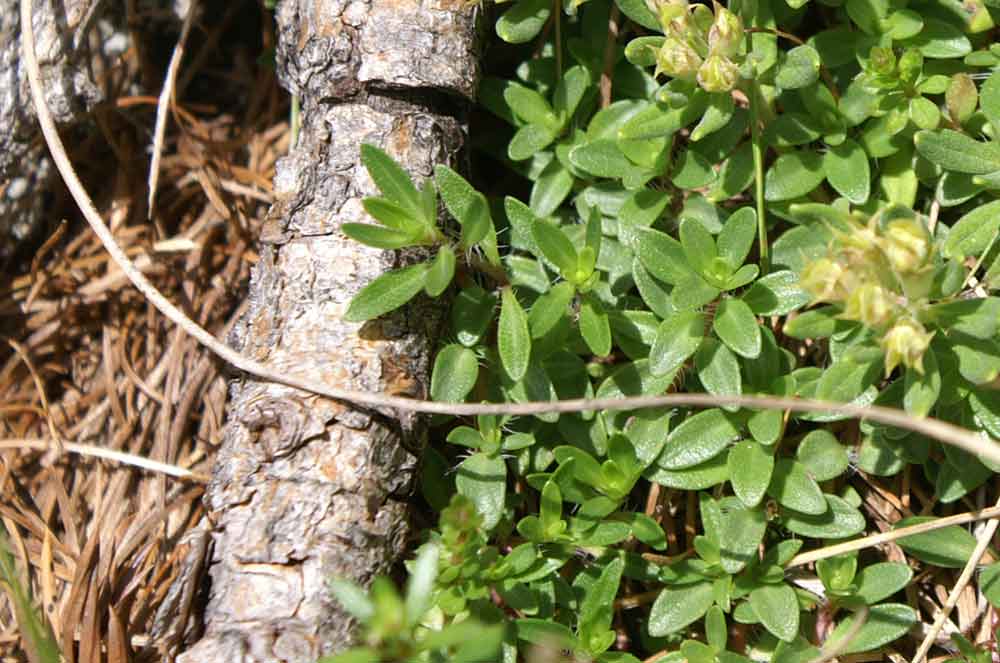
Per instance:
x=531, y=107
x=597, y=607
x=648, y=531
x=822, y=455
x=550, y=308
x=440, y=272
x=848, y=377
x=529, y=141
x=955, y=151
x=544, y=632
x=797, y=68
x=513, y=337
x=737, y=236
x=885, y=623
x=523, y=21
x=693, y=171
x=387, y=293
x=468, y=206
x=705, y=475
x=846, y=167
x=948, y=547
x=972, y=233
x=778, y=293
x=940, y=40
x=698, y=438
x=456, y=369
x=639, y=12
x=750, y=468
x=555, y=246
x=551, y=188
x=989, y=583
x=718, y=114
x=737, y=327
x=698, y=245
x=989, y=99
x=766, y=426
x=594, y=326
x=392, y=216
x=634, y=379
x=840, y=521
x=718, y=369
x=676, y=608
x=792, y=487
x=741, y=531
x=794, y=175
x=921, y=391
x=877, y=582
x=569, y=92
x=471, y=314
x=394, y=183
x=677, y=338
x=378, y=236
x=777, y=607
x=420, y=585
x=642, y=51
x=352, y=598
x=550, y=510
x=602, y=158
x=483, y=479
x=662, y=255
x=816, y=323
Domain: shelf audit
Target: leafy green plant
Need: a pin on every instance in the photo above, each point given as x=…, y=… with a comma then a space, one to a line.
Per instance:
x=780, y=198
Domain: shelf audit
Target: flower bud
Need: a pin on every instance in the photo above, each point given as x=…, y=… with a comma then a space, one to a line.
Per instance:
x=906, y=245
x=911, y=66
x=668, y=10
x=869, y=304
x=677, y=59
x=906, y=344
x=821, y=279
x=726, y=33
x=718, y=74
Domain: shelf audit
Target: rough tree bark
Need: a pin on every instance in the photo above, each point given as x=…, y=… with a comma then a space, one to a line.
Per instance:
x=70, y=91
x=305, y=488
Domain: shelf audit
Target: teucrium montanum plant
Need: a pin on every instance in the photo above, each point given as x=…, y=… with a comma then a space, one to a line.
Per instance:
x=783, y=197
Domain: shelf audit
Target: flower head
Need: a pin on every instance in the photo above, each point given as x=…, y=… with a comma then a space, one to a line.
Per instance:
x=906, y=344
x=718, y=74
x=726, y=33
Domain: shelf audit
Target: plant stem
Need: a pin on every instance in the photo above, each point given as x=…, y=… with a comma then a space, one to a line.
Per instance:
x=758, y=176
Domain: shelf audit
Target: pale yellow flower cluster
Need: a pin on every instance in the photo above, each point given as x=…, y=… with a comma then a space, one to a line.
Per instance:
x=700, y=45
x=881, y=274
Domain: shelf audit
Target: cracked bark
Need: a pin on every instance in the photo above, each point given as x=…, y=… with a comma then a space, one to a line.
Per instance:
x=305, y=488
x=64, y=60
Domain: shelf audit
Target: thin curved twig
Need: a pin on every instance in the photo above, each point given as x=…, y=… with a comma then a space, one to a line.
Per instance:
x=936, y=429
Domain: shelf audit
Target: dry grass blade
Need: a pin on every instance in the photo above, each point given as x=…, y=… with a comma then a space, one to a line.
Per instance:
x=163, y=106
x=893, y=535
x=985, y=538
x=109, y=454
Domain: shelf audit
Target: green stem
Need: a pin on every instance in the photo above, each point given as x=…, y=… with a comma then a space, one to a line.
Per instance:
x=757, y=148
